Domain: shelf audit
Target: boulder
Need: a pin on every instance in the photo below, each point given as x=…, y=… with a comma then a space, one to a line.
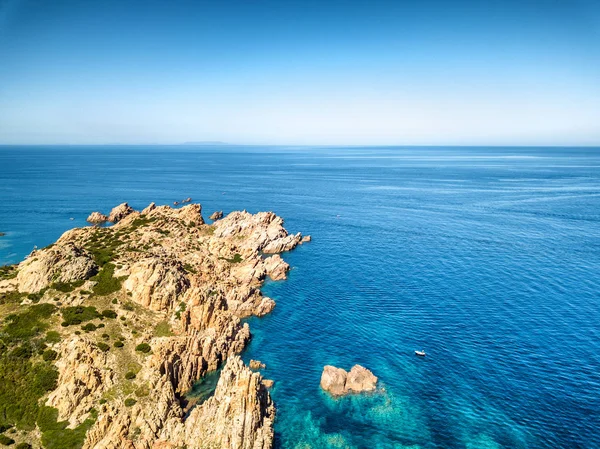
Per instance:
x=216, y=215
x=338, y=382
x=256, y=365
x=97, y=218
x=120, y=212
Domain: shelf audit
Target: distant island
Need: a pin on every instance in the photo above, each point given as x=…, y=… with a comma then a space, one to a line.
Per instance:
x=105, y=332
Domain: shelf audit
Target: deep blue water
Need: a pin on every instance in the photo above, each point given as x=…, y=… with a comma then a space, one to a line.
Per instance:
x=487, y=258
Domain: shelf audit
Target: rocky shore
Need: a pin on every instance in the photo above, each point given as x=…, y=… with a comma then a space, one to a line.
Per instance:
x=128, y=318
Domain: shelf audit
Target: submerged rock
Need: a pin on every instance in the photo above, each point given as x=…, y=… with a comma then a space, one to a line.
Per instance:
x=339, y=382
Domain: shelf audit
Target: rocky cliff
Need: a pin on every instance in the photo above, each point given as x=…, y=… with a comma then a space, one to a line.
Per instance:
x=135, y=314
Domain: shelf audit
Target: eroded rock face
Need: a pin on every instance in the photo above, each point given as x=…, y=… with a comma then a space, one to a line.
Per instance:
x=120, y=212
x=58, y=263
x=83, y=377
x=156, y=283
x=339, y=382
x=97, y=218
x=276, y=267
x=240, y=415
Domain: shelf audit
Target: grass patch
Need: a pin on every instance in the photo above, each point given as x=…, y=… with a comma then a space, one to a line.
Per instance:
x=163, y=329
x=106, y=283
x=129, y=402
x=49, y=355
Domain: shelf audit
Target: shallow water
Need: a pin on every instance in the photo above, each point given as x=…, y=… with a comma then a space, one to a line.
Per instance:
x=487, y=258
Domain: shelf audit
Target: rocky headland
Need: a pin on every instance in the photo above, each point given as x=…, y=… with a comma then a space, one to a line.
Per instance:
x=104, y=332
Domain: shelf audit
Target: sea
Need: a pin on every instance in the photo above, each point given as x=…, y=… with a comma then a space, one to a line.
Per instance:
x=488, y=259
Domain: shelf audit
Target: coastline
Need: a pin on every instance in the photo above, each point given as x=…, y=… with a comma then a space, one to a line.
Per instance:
x=179, y=288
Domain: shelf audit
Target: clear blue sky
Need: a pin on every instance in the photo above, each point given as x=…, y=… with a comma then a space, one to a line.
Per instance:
x=300, y=72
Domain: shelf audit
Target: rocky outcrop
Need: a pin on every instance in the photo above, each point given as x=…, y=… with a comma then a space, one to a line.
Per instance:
x=120, y=212
x=59, y=263
x=276, y=267
x=156, y=283
x=216, y=215
x=256, y=365
x=97, y=218
x=239, y=415
x=83, y=377
x=339, y=382
x=179, y=289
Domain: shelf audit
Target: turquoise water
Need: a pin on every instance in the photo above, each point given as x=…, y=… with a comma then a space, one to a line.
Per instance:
x=489, y=259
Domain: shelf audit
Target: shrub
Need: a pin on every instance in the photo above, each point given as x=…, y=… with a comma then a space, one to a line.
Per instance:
x=109, y=313
x=23, y=446
x=102, y=401
x=29, y=323
x=102, y=346
x=6, y=441
x=130, y=402
x=105, y=336
x=52, y=337
x=114, y=301
x=128, y=306
x=67, y=287
x=49, y=355
x=143, y=347
x=118, y=344
x=78, y=315
x=89, y=327
x=129, y=375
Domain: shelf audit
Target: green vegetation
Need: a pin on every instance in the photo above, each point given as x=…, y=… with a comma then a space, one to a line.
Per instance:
x=130, y=402
x=129, y=375
x=163, y=329
x=89, y=327
x=129, y=306
x=78, y=315
x=6, y=441
x=143, y=347
x=12, y=297
x=52, y=337
x=27, y=324
x=103, y=346
x=56, y=435
x=23, y=446
x=49, y=355
x=103, y=246
x=109, y=313
x=24, y=379
x=105, y=336
x=118, y=344
x=67, y=287
x=139, y=222
x=180, y=310
x=106, y=282
x=8, y=272
x=237, y=258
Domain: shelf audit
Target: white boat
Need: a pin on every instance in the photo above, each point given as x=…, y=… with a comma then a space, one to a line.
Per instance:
x=420, y=353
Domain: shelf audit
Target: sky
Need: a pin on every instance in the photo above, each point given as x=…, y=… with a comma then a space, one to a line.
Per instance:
x=309, y=72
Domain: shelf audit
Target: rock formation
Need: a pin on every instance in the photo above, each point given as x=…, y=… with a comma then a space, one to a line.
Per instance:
x=339, y=382
x=97, y=218
x=216, y=215
x=172, y=292
x=119, y=212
